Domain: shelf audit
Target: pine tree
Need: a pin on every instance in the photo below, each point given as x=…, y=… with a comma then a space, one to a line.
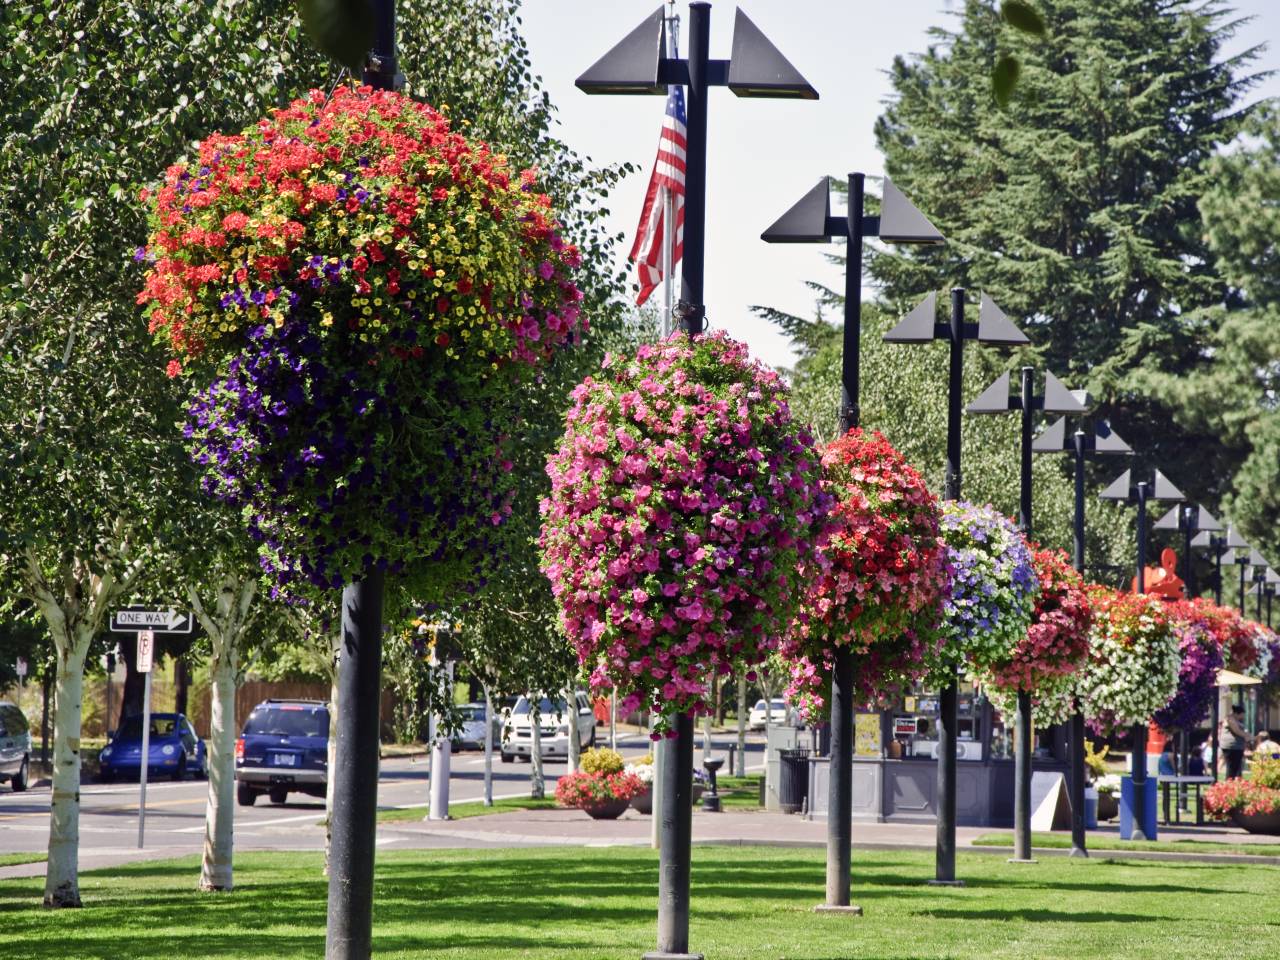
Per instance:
x=1076, y=207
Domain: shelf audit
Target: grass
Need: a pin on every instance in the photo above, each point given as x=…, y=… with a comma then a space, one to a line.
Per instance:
x=14, y=859
x=598, y=904
x=740, y=793
x=464, y=811
x=1061, y=842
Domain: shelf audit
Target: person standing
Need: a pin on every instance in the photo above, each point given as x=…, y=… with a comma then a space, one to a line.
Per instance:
x=1232, y=740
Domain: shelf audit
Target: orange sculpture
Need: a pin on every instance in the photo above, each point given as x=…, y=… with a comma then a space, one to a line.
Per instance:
x=1163, y=581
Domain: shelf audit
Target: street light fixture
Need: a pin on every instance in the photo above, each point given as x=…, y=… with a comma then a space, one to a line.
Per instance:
x=1191, y=519
x=1100, y=441
x=1221, y=545
x=921, y=326
x=640, y=65
x=810, y=221
x=1128, y=490
x=996, y=400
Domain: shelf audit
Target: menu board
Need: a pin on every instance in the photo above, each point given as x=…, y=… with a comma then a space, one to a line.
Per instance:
x=866, y=735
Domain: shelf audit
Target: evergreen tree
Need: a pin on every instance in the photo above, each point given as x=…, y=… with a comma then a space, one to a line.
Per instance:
x=1076, y=207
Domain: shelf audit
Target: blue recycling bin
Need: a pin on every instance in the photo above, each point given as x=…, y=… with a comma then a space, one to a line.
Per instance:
x=1150, y=791
x=1091, y=810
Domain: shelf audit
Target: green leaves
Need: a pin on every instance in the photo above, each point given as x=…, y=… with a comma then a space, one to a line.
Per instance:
x=340, y=29
x=1023, y=16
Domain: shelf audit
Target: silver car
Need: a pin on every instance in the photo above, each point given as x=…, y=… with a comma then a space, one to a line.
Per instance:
x=15, y=746
x=471, y=734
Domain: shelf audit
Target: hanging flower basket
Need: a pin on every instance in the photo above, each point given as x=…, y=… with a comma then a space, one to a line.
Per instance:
x=993, y=589
x=1201, y=657
x=684, y=500
x=880, y=581
x=354, y=290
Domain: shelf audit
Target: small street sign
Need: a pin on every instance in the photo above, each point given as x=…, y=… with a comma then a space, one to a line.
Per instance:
x=21, y=666
x=146, y=650
x=133, y=619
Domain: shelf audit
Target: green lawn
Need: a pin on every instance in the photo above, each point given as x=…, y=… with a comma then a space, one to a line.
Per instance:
x=598, y=904
x=740, y=793
x=463, y=811
x=1062, y=841
x=13, y=859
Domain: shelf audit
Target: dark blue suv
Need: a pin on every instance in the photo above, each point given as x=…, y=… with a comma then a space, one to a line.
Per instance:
x=283, y=749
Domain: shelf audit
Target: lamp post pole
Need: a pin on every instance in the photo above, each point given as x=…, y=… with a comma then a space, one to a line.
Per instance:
x=810, y=221
x=355, y=774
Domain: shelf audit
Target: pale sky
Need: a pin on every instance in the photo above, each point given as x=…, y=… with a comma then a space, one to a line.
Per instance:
x=763, y=154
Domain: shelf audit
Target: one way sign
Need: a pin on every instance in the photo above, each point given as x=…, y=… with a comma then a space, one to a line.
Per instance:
x=134, y=619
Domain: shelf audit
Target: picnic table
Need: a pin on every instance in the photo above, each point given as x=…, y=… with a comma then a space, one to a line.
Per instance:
x=1183, y=783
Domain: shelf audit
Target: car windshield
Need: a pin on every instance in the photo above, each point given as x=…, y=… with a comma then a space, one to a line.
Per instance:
x=131, y=729
x=473, y=713
x=289, y=721
x=545, y=708
x=777, y=705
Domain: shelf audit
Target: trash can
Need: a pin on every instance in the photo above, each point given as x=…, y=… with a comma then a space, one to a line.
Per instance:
x=793, y=779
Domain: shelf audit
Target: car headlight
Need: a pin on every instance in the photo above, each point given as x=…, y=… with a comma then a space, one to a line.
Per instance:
x=106, y=754
x=167, y=750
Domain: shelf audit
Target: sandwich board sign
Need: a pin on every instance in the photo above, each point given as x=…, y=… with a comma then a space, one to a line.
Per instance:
x=135, y=619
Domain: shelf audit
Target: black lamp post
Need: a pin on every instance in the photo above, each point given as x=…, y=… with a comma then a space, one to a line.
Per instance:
x=1101, y=441
x=996, y=400
x=1253, y=567
x=921, y=326
x=1272, y=584
x=1258, y=574
x=1221, y=544
x=1192, y=520
x=810, y=221
x=1139, y=492
x=355, y=773
x=639, y=64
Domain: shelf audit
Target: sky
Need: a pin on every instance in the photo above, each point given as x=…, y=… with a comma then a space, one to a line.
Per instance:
x=763, y=155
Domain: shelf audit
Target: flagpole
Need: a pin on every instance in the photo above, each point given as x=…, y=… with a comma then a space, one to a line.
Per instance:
x=669, y=201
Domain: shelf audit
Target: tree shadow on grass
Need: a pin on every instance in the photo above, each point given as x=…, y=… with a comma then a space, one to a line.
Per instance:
x=1040, y=916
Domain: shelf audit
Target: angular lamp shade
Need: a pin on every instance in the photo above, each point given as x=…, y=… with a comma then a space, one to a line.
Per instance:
x=1256, y=560
x=758, y=69
x=1170, y=521
x=994, y=399
x=1273, y=578
x=901, y=222
x=1162, y=489
x=1119, y=489
x=1204, y=520
x=1202, y=540
x=634, y=65
x=1058, y=399
x=1106, y=440
x=1053, y=439
x=994, y=327
x=918, y=325
x=1234, y=540
x=806, y=221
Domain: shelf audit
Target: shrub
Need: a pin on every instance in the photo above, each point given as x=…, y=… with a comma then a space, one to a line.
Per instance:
x=600, y=760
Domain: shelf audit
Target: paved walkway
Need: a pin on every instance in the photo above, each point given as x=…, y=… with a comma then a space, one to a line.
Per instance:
x=525, y=828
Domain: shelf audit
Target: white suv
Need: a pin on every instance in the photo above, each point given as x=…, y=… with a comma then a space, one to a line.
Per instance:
x=553, y=723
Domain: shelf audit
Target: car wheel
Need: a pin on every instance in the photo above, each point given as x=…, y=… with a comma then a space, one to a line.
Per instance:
x=278, y=795
x=19, y=781
x=245, y=795
x=508, y=757
x=105, y=776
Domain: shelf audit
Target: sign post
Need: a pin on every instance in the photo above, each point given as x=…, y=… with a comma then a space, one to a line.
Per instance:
x=21, y=669
x=146, y=652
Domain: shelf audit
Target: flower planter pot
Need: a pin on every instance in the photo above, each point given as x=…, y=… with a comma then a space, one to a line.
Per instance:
x=1257, y=822
x=643, y=802
x=607, y=810
x=1108, y=806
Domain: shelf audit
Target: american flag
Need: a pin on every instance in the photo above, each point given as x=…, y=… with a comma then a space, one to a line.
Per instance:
x=667, y=177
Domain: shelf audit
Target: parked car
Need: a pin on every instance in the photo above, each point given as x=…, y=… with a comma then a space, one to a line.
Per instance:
x=173, y=749
x=472, y=732
x=553, y=725
x=15, y=746
x=777, y=713
x=283, y=749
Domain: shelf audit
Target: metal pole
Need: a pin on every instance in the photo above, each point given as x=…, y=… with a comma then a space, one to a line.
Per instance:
x=840, y=795
x=945, y=853
x=1023, y=722
x=355, y=773
x=1241, y=603
x=1217, y=694
x=1024, y=473
x=1189, y=568
x=668, y=204
x=691, y=307
x=677, y=836
x=146, y=756
x=1139, y=764
x=1078, y=843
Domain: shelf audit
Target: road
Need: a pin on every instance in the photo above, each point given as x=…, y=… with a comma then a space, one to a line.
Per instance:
x=175, y=811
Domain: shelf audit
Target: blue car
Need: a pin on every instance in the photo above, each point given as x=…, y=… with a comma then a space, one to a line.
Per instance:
x=283, y=749
x=174, y=749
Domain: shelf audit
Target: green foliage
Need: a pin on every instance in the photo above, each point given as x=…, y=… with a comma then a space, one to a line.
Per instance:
x=601, y=760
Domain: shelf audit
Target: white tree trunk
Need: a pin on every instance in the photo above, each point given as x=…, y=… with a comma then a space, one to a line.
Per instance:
x=62, y=879
x=740, y=765
x=575, y=736
x=537, y=785
x=488, y=747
